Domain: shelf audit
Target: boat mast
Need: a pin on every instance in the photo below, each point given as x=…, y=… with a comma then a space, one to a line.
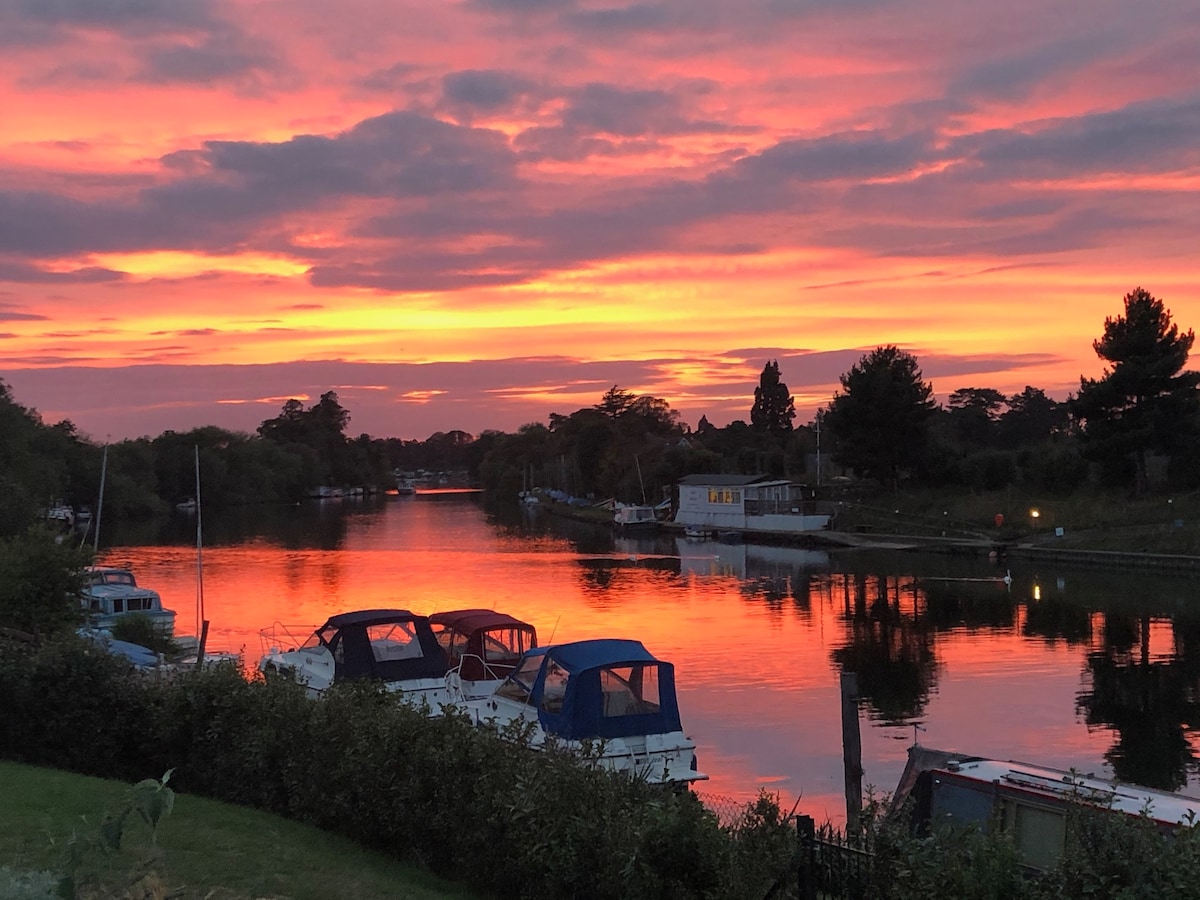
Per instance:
x=100, y=502
x=201, y=622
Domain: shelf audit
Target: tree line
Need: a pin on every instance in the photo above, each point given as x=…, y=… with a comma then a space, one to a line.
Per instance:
x=1136, y=426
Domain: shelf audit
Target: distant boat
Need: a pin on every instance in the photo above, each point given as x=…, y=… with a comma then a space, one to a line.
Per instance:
x=190, y=505
x=406, y=486
x=635, y=518
x=61, y=515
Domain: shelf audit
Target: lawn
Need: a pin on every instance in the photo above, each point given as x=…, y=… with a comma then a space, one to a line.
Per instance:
x=204, y=849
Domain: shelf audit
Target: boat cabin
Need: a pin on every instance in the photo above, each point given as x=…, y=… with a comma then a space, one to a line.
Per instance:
x=596, y=689
x=110, y=592
x=482, y=644
x=1028, y=801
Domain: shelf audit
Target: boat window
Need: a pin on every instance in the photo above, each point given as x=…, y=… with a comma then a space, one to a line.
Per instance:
x=503, y=644
x=554, y=688
x=444, y=635
x=519, y=685
x=1040, y=835
x=313, y=643
x=393, y=640
x=630, y=690
x=118, y=578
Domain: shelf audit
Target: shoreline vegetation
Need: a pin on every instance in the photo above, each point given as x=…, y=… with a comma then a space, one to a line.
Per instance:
x=1083, y=528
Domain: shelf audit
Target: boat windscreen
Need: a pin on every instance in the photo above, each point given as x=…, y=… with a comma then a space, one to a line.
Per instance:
x=519, y=685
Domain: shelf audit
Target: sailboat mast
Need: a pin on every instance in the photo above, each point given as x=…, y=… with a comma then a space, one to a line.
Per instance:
x=199, y=551
x=100, y=502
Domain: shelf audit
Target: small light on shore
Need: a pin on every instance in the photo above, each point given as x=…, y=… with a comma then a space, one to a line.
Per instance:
x=1034, y=513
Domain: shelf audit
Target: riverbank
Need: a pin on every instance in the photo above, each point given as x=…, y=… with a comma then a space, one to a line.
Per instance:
x=1091, y=528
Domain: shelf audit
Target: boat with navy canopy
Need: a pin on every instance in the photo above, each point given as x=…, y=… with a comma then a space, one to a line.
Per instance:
x=394, y=646
x=482, y=648
x=610, y=695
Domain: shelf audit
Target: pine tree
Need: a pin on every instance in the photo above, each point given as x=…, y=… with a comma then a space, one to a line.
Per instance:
x=773, y=409
x=1145, y=402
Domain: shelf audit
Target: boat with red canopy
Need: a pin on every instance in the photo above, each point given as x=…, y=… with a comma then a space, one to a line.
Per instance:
x=482, y=647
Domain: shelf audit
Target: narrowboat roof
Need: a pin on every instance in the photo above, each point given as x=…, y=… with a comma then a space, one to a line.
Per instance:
x=1055, y=785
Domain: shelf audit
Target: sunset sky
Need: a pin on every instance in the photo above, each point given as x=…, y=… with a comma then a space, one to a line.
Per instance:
x=469, y=215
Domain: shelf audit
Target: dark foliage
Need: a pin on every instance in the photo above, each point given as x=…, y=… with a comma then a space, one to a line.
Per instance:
x=1145, y=402
x=439, y=791
x=881, y=418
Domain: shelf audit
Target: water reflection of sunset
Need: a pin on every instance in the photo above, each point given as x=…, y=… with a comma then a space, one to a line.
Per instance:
x=758, y=634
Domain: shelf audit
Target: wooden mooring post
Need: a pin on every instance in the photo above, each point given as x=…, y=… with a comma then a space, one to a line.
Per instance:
x=851, y=752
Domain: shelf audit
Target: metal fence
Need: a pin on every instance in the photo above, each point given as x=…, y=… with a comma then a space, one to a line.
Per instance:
x=829, y=865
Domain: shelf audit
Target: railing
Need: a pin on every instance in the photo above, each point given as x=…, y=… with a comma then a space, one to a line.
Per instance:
x=828, y=864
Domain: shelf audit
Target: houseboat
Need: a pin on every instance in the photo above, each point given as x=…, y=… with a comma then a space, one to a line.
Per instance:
x=746, y=504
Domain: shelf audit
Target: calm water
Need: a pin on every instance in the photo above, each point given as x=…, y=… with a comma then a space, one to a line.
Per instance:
x=1097, y=670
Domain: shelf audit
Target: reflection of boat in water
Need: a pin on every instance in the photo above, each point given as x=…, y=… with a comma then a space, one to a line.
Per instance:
x=1030, y=802
x=610, y=695
x=714, y=558
x=110, y=593
x=482, y=648
x=394, y=646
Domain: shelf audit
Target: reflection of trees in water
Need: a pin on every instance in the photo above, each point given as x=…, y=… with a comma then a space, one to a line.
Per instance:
x=890, y=651
x=951, y=604
x=1057, y=620
x=1146, y=701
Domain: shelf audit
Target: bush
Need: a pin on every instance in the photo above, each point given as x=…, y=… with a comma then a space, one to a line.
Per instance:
x=435, y=790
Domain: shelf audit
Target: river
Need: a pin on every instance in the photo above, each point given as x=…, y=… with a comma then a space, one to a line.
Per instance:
x=1098, y=670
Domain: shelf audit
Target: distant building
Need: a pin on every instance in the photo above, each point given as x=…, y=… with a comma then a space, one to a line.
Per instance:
x=746, y=503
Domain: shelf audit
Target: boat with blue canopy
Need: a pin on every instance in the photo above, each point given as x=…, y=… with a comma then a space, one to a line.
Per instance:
x=609, y=698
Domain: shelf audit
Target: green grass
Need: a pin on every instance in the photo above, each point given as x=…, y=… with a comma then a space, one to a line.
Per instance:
x=1091, y=519
x=204, y=849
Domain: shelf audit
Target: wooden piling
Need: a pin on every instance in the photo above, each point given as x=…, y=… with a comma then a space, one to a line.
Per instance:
x=851, y=751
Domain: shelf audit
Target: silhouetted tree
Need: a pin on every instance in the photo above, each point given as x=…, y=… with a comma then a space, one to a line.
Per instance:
x=1144, y=402
x=615, y=401
x=973, y=412
x=881, y=421
x=773, y=409
x=1031, y=418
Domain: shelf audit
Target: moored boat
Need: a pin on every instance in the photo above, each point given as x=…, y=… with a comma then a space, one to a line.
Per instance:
x=111, y=593
x=606, y=697
x=1030, y=802
x=394, y=646
x=482, y=647
x=635, y=518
